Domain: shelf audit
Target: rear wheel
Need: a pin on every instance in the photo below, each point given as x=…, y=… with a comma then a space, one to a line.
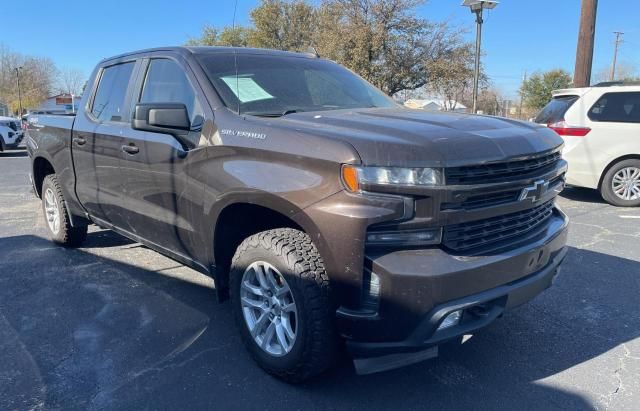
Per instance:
x=56, y=216
x=621, y=184
x=280, y=297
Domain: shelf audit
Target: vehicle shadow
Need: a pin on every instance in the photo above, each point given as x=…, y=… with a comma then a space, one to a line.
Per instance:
x=87, y=331
x=104, y=239
x=585, y=195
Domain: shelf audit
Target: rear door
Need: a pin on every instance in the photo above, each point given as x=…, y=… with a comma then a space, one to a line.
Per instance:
x=97, y=144
x=163, y=202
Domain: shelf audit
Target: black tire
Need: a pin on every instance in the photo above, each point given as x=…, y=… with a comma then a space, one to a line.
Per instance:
x=66, y=235
x=293, y=254
x=606, y=189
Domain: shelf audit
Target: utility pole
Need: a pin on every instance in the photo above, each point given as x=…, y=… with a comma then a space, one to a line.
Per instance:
x=524, y=80
x=19, y=91
x=586, y=37
x=615, y=54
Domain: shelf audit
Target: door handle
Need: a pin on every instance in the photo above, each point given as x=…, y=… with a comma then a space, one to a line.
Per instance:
x=130, y=149
x=79, y=140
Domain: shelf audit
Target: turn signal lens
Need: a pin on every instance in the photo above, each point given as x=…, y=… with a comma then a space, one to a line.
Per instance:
x=350, y=178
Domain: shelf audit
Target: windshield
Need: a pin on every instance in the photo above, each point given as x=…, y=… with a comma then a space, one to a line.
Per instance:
x=274, y=86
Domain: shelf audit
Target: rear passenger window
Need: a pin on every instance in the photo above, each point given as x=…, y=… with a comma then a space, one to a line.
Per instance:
x=108, y=104
x=621, y=107
x=166, y=82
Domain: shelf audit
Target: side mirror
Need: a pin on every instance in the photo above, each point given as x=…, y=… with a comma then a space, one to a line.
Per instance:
x=166, y=118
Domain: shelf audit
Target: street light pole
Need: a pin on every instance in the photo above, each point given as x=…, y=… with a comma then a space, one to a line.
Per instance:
x=477, y=6
x=476, y=73
x=19, y=91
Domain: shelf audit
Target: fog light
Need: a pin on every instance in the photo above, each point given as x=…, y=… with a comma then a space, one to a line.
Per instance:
x=450, y=320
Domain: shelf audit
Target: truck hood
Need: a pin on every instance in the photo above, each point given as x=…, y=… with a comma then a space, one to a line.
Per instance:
x=413, y=138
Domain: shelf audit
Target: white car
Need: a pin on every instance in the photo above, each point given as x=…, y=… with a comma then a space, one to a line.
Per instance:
x=11, y=133
x=601, y=129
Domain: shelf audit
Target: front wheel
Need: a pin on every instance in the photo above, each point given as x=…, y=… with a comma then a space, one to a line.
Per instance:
x=621, y=184
x=56, y=216
x=280, y=297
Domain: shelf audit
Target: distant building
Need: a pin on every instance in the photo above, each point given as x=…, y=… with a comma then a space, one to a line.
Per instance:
x=435, y=104
x=4, y=110
x=61, y=103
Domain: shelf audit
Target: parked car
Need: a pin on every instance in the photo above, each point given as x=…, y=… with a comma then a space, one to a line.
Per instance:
x=601, y=129
x=11, y=133
x=322, y=208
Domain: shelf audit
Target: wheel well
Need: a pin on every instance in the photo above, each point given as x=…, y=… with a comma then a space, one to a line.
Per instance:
x=613, y=163
x=235, y=223
x=41, y=169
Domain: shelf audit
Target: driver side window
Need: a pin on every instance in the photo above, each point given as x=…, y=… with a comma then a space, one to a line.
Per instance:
x=166, y=82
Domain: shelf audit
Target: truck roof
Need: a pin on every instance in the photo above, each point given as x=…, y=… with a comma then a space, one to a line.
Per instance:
x=214, y=50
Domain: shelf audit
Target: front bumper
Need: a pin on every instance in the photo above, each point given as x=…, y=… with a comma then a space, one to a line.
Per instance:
x=419, y=288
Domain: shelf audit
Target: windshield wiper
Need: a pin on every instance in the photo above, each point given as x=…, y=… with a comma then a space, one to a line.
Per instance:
x=267, y=114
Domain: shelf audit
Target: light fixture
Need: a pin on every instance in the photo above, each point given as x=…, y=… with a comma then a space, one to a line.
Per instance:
x=476, y=7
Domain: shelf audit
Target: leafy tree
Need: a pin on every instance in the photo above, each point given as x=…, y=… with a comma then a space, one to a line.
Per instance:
x=381, y=40
x=228, y=36
x=282, y=25
x=536, y=91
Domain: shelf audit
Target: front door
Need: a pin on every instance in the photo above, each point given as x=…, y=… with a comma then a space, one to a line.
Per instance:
x=163, y=203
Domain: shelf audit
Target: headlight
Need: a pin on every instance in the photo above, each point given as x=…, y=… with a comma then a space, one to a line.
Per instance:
x=357, y=179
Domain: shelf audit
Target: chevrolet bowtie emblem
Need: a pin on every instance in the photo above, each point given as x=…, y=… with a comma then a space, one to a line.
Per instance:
x=534, y=192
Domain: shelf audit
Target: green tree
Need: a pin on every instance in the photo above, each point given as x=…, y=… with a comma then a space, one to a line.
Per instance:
x=228, y=36
x=381, y=40
x=282, y=25
x=536, y=91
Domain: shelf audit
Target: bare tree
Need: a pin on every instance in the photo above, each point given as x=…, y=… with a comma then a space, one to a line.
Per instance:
x=37, y=75
x=71, y=81
x=625, y=71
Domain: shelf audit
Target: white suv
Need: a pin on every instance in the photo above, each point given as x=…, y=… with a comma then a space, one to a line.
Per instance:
x=601, y=129
x=11, y=133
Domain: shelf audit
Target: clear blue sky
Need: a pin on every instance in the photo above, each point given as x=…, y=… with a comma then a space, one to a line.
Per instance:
x=517, y=35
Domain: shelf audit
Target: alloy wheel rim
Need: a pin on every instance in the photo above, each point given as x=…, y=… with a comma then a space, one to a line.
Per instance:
x=52, y=211
x=268, y=308
x=626, y=183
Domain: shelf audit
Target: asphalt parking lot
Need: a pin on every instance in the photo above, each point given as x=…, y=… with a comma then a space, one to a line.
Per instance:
x=115, y=325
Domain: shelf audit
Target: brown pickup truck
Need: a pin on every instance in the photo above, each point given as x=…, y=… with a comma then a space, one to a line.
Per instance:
x=329, y=214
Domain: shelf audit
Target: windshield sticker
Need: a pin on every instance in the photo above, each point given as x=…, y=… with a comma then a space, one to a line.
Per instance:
x=246, y=89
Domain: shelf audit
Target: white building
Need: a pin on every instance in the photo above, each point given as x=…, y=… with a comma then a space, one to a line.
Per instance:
x=435, y=104
x=61, y=103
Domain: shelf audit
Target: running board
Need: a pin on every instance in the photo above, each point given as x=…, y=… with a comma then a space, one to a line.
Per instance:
x=373, y=365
